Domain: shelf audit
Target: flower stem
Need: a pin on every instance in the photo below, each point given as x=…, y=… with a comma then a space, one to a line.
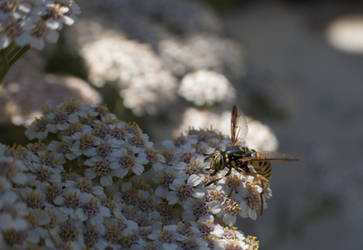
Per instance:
x=20, y=52
x=11, y=50
x=8, y=57
x=4, y=65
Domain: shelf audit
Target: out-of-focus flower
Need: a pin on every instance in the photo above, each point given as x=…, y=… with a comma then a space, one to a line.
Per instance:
x=200, y=16
x=202, y=51
x=70, y=187
x=256, y=135
x=260, y=136
x=206, y=88
x=345, y=33
x=139, y=74
x=31, y=22
x=143, y=47
x=27, y=90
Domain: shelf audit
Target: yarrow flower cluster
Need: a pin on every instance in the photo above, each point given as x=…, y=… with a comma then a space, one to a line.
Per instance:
x=27, y=76
x=206, y=88
x=93, y=181
x=31, y=22
x=145, y=47
x=202, y=51
x=136, y=71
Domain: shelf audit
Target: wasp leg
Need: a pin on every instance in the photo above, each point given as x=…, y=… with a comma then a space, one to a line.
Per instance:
x=214, y=172
x=261, y=198
x=262, y=181
x=215, y=180
x=230, y=192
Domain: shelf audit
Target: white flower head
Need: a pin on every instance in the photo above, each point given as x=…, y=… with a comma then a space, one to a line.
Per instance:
x=143, y=82
x=128, y=160
x=32, y=23
x=206, y=88
x=115, y=190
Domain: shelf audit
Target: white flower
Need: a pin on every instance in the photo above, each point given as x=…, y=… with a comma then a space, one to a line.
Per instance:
x=128, y=160
x=31, y=23
x=260, y=137
x=137, y=72
x=93, y=211
x=28, y=74
x=117, y=196
x=206, y=88
x=65, y=147
x=131, y=226
x=37, y=129
x=19, y=209
x=84, y=142
x=182, y=189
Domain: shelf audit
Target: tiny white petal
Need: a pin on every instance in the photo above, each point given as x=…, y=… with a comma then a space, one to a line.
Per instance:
x=229, y=219
x=106, y=180
x=138, y=169
x=98, y=190
x=90, y=173
x=172, y=198
x=58, y=200
x=68, y=20
x=81, y=215
x=33, y=236
x=194, y=180
x=252, y=214
x=169, y=246
x=20, y=178
x=198, y=193
x=161, y=191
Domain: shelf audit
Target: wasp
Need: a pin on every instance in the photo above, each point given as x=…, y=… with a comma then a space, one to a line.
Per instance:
x=243, y=159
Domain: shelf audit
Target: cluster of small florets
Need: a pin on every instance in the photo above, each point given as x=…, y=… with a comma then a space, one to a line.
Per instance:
x=31, y=22
x=133, y=68
x=145, y=47
x=199, y=51
x=28, y=76
x=206, y=88
x=93, y=181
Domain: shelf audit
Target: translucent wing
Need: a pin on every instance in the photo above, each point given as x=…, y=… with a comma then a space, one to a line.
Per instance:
x=269, y=156
x=239, y=127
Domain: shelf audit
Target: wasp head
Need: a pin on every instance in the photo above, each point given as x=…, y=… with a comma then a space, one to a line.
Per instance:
x=216, y=162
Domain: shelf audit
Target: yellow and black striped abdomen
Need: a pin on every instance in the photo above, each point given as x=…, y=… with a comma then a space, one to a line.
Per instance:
x=263, y=168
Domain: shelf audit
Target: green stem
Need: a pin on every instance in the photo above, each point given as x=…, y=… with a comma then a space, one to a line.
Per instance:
x=8, y=57
x=4, y=65
x=12, y=50
x=21, y=51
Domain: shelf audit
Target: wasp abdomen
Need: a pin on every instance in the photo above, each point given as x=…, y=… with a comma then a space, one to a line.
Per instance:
x=264, y=168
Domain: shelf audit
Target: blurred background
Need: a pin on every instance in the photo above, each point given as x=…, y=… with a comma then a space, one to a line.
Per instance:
x=293, y=67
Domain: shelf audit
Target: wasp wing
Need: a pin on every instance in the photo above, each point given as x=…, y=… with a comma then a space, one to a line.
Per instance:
x=269, y=156
x=239, y=128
